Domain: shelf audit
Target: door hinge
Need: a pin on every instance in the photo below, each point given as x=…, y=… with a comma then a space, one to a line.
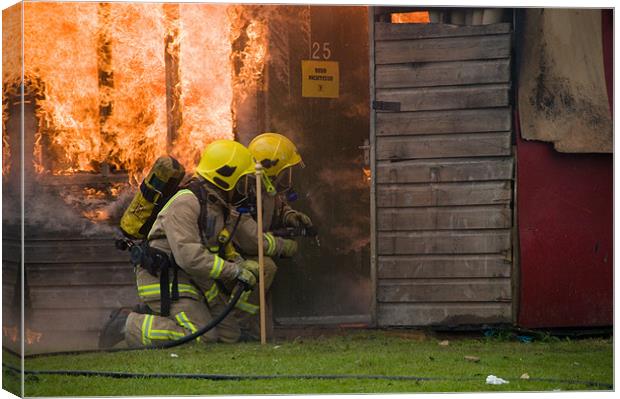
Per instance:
x=386, y=106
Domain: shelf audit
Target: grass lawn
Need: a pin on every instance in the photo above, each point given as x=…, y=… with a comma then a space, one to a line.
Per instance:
x=369, y=353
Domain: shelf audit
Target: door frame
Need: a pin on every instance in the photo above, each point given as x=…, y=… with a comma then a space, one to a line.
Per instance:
x=373, y=168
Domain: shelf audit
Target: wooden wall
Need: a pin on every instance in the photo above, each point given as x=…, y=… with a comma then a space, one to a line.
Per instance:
x=444, y=171
x=73, y=283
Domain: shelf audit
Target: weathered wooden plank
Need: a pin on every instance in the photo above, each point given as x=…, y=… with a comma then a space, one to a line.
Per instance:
x=445, y=170
x=445, y=290
x=47, y=320
x=86, y=251
x=83, y=297
x=389, y=31
x=58, y=341
x=443, y=266
x=443, y=242
x=443, y=146
x=444, y=314
x=444, y=194
x=444, y=218
x=442, y=49
x=437, y=122
x=9, y=267
x=11, y=251
x=9, y=276
x=442, y=73
x=8, y=292
x=97, y=274
x=448, y=97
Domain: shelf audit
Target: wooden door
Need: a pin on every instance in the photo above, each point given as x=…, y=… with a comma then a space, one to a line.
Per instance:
x=444, y=171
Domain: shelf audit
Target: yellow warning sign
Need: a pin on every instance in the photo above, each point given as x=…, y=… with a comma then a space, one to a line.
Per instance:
x=320, y=79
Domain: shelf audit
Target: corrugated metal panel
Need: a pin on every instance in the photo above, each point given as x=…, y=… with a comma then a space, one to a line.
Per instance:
x=566, y=237
x=444, y=174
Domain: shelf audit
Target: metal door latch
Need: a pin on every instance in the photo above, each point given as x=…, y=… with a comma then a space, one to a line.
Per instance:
x=366, y=148
x=386, y=106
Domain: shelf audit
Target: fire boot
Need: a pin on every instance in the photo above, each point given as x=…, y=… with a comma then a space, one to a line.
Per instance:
x=113, y=331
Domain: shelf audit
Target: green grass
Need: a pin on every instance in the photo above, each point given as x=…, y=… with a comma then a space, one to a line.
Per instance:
x=376, y=353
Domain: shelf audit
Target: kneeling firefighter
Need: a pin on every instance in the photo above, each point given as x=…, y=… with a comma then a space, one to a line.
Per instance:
x=278, y=155
x=185, y=233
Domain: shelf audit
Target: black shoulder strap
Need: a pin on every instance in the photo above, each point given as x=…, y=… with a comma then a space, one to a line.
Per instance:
x=197, y=187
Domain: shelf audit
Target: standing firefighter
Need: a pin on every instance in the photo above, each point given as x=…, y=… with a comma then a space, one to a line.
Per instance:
x=278, y=155
x=186, y=234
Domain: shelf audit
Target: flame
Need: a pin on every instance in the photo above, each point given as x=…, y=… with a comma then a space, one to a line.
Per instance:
x=417, y=17
x=367, y=174
x=206, y=80
x=63, y=66
x=6, y=149
x=249, y=38
x=101, y=74
x=96, y=215
x=31, y=336
x=10, y=332
x=11, y=71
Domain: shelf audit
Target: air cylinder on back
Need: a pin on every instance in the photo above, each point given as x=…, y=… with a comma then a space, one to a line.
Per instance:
x=158, y=186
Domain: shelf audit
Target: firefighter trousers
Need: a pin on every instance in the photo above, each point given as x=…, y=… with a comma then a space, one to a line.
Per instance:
x=247, y=312
x=186, y=316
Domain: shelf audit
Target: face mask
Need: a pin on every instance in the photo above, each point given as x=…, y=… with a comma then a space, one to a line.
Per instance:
x=241, y=193
x=284, y=181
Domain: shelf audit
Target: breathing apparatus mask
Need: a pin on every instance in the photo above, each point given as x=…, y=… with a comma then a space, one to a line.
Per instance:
x=242, y=193
x=283, y=184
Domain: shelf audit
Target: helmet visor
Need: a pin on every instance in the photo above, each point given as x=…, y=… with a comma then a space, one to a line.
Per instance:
x=284, y=180
x=242, y=190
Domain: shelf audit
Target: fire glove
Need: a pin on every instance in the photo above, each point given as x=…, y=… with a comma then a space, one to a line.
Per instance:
x=294, y=218
x=289, y=248
x=248, y=273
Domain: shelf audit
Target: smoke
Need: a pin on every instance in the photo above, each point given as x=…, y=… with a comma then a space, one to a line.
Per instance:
x=328, y=182
x=353, y=238
x=66, y=209
x=254, y=97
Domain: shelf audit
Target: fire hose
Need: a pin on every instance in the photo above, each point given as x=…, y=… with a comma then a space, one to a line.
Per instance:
x=240, y=377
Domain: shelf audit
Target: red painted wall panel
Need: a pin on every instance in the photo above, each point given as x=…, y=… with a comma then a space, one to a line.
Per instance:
x=565, y=220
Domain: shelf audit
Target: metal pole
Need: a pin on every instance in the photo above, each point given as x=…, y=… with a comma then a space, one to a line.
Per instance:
x=261, y=260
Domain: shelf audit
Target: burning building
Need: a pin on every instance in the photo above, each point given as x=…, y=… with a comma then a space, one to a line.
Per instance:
x=117, y=85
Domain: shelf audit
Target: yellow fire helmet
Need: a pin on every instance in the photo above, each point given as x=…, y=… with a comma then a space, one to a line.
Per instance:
x=224, y=162
x=275, y=152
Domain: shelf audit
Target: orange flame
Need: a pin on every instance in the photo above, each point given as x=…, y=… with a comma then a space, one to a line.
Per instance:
x=10, y=332
x=367, y=175
x=85, y=57
x=11, y=71
x=416, y=17
x=31, y=336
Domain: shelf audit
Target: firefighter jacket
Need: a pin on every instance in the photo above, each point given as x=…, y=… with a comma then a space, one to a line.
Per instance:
x=245, y=238
x=176, y=232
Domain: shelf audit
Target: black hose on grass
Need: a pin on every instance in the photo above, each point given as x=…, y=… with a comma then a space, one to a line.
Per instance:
x=233, y=377
x=228, y=377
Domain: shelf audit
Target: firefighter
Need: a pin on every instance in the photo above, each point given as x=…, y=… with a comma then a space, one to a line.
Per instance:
x=278, y=155
x=187, y=230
